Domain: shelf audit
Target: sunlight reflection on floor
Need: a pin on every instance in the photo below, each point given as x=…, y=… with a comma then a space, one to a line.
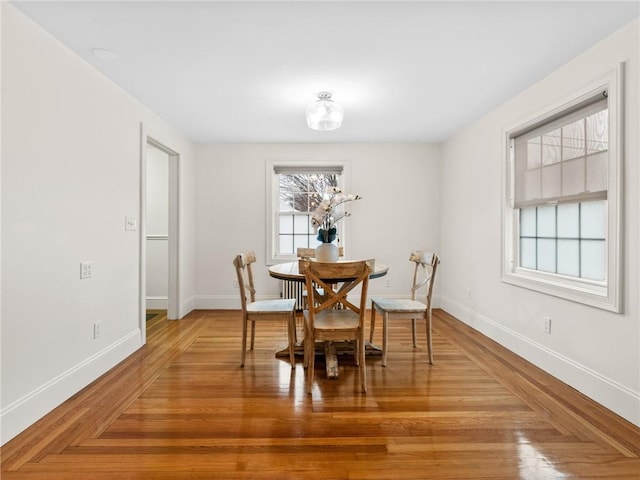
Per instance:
x=533, y=464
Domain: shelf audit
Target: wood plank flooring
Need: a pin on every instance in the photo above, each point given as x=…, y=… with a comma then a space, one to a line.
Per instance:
x=182, y=408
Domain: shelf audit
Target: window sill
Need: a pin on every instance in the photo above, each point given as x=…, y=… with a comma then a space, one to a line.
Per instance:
x=594, y=294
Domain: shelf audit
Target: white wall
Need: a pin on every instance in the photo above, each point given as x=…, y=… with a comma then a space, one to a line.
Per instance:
x=596, y=352
x=70, y=175
x=400, y=210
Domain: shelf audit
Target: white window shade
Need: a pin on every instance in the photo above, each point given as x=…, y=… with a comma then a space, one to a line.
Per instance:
x=310, y=169
x=564, y=159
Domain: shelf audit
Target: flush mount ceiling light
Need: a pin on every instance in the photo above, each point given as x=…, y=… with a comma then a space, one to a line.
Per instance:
x=324, y=114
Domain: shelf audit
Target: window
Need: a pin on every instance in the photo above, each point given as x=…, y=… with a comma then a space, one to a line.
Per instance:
x=562, y=199
x=567, y=239
x=293, y=193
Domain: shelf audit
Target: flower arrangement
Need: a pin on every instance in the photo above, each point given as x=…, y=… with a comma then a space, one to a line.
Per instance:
x=325, y=217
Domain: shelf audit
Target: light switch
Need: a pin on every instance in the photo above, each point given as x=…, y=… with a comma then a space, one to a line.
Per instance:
x=130, y=223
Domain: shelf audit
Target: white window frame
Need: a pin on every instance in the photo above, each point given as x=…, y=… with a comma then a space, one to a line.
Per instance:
x=271, y=201
x=605, y=295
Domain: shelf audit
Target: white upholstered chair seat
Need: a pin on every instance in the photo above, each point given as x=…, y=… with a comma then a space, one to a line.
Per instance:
x=399, y=305
x=271, y=306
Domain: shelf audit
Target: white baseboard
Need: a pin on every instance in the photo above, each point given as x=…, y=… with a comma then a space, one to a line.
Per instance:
x=607, y=392
x=17, y=416
x=157, y=303
x=186, y=307
x=223, y=302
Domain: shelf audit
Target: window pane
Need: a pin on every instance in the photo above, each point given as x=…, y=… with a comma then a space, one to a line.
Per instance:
x=569, y=257
x=573, y=140
x=547, y=221
x=301, y=224
x=285, y=244
x=293, y=183
x=528, y=253
x=592, y=259
x=531, y=185
x=286, y=224
x=598, y=131
x=573, y=176
x=551, y=147
x=301, y=202
x=592, y=220
x=597, y=172
x=285, y=201
x=551, y=183
x=300, y=241
x=534, y=152
x=528, y=222
x=546, y=252
x=568, y=220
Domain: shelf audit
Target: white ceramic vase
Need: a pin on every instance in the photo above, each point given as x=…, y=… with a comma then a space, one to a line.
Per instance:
x=327, y=252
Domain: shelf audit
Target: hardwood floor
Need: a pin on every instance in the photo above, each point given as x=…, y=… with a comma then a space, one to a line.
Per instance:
x=181, y=408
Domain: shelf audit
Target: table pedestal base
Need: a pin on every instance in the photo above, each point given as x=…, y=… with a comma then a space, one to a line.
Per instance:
x=331, y=350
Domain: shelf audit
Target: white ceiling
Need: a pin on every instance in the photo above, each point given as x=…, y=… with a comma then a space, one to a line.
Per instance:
x=404, y=71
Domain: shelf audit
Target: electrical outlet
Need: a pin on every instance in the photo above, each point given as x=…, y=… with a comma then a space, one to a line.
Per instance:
x=547, y=325
x=388, y=283
x=97, y=329
x=235, y=284
x=468, y=294
x=86, y=270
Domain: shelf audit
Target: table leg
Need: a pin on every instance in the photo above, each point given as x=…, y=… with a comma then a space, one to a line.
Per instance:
x=331, y=359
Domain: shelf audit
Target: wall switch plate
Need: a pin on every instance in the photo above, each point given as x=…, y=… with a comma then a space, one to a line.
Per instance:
x=86, y=270
x=130, y=224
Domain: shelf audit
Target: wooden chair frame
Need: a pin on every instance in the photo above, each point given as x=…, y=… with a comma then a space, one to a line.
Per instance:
x=252, y=310
x=307, y=254
x=424, y=273
x=324, y=320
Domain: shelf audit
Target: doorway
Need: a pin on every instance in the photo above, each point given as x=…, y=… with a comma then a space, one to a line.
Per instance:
x=159, y=232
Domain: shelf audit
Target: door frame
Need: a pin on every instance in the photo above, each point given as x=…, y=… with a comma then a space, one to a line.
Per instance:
x=173, y=307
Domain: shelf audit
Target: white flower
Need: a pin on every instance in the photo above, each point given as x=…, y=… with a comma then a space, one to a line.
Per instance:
x=325, y=216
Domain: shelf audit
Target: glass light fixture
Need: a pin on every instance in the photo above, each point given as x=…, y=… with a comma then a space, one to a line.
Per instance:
x=324, y=114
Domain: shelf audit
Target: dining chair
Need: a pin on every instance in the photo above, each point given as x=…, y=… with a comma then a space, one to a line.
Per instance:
x=424, y=274
x=324, y=320
x=252, y=310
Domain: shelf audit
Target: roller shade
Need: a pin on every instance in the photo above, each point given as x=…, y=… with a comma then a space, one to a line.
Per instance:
x=563, y=158
x=302, y=169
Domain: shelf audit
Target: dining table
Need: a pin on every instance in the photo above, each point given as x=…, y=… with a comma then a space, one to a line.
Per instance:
x=289, y=271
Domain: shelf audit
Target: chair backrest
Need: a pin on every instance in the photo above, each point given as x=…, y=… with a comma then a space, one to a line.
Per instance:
x=424, y=273
x=311, y=252
x=243, y=262
x=320, y=277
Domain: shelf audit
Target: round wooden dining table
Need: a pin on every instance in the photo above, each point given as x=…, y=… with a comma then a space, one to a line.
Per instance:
x=289, y=272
